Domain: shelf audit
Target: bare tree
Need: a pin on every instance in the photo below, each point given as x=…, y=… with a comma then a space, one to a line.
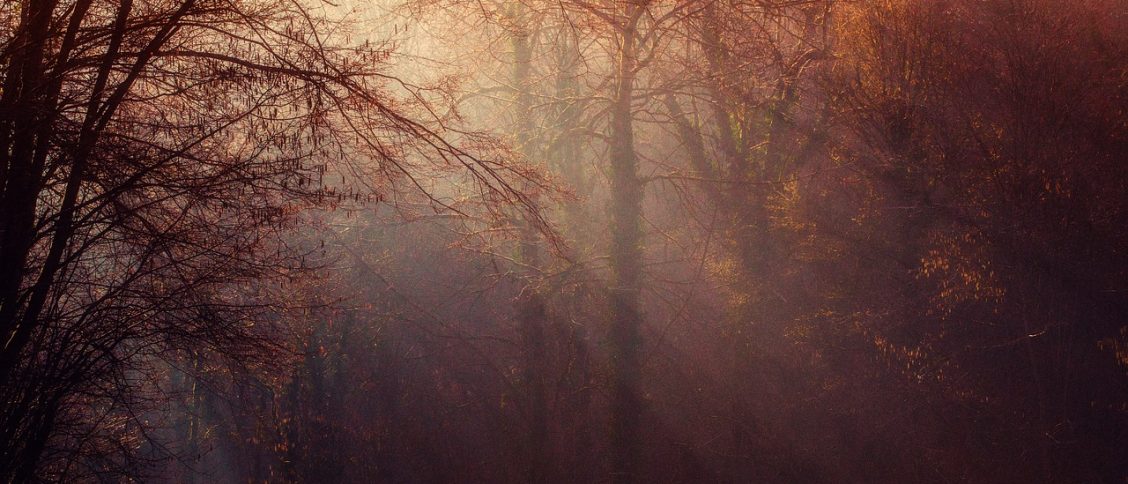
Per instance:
x=151, y=152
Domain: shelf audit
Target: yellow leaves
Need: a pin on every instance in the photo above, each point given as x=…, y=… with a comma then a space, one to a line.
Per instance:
x=724, y=268
x=962, y=271
x=798, y=331
x=1118, y=345
x=739, y=299
x=1057, y=187
x=915, y=362
x=783, y=205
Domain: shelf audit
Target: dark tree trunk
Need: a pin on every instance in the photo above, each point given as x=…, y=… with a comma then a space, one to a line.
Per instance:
x=530, y=311
x=626, y=265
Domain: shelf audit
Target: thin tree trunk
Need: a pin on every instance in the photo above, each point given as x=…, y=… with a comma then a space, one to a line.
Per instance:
x=626, y=265
x=531, y=311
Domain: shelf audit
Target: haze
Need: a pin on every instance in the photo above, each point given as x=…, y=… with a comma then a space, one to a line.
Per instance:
x=628, y=241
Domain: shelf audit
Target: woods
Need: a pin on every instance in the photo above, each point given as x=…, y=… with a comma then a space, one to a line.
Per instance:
x=580, y=241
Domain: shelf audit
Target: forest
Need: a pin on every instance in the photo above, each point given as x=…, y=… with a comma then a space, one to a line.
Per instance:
x=568, y=241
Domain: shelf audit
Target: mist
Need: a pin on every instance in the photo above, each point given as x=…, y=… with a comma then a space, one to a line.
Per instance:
x=628, y=241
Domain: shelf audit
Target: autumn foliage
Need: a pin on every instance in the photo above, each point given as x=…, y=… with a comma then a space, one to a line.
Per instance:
x=581, y=241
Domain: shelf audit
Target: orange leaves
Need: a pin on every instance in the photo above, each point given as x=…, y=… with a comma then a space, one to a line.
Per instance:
x=962, y=271
x=1118, y=346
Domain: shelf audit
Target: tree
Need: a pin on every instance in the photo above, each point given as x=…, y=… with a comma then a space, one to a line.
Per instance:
x=151, y=152
x=980, y=202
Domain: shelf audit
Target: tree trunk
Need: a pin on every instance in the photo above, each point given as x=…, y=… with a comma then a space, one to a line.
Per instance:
x=626, y=265
x=530, y=311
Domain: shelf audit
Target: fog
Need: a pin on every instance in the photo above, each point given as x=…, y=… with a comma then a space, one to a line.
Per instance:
x=563, y=242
